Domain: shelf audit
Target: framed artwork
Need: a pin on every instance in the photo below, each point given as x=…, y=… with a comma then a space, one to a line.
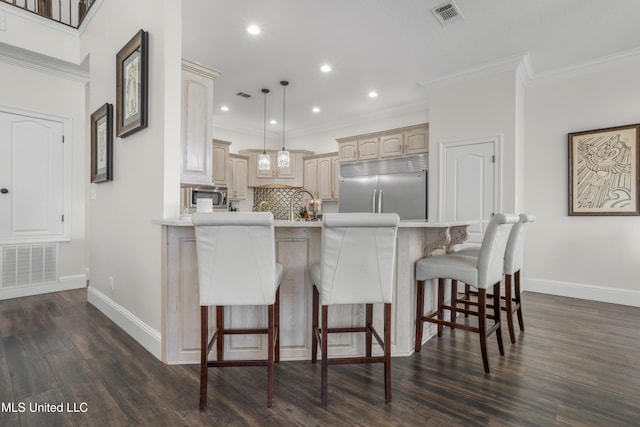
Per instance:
x=102, y=144
x=132, y=84
x=603, y=171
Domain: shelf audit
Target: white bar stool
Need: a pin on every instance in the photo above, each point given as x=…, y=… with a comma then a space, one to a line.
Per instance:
x=237, y=266
x=481, y=273
x=357, y=267
x=513, y=260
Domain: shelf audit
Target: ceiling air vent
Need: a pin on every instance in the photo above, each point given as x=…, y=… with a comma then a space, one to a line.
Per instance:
x=243, y=95
x=447, y=13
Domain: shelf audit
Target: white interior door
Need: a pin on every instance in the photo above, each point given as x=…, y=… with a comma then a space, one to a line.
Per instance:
x=469, y=185
x=32, y=179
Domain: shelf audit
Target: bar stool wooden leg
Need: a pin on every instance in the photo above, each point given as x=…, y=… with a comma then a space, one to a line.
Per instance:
x=454, y=301
x=440, y=305
x=271, y=356
x=387, y=352
x=220, y=326
x=496, y=316
x=314, y=324
x=508, y=299
x=325, y=361
x=276, y=326
x=368, y=324
x=204, y=343
x=467, y=295
x=517, y=298
x=419, y=314
x=482, y=326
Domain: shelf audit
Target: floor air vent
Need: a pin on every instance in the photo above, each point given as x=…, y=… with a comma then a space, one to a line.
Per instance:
x=23, y=265
x=447, y=13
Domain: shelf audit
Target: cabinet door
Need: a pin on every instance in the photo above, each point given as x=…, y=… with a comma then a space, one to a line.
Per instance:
x=240, y=178
x=196, y=149
x=391, y=145
x=368, y=148
x=220, y=164
x=285, y=172
x=325, y=178
x=336, y=177
x=348, y=151
x=311, y=175
x=416, y=141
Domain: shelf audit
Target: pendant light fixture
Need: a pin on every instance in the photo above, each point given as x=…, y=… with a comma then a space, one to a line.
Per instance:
x=264, y=159
x=283, y=155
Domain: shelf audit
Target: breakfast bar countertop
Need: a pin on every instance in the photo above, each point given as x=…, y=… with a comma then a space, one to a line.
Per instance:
x=409, y=223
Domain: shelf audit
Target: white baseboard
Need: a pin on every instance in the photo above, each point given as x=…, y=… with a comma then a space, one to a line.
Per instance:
x=66, y=283
x=583, y=291
x=148, y=337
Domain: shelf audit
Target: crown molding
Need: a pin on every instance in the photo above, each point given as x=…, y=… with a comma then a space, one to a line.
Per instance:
x=45, y=64
x=599, y=64
x=511, y=63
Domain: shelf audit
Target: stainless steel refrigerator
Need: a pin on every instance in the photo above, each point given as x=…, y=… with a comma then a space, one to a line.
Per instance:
x=394, y=185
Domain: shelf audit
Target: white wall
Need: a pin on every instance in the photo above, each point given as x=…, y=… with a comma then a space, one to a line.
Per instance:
x=471, y=109
x=123, y=243
x=594, y=256
x=34, y=91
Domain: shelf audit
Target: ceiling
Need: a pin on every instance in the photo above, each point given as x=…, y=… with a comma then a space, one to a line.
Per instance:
x=395, y=47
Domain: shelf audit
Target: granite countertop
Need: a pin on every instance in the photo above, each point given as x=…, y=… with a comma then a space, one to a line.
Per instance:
x=186, y=222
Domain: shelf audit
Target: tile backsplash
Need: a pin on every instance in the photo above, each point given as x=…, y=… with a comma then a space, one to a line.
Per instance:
x=278, y=201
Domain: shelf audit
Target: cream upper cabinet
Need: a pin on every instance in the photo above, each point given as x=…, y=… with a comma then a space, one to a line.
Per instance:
x=237, y=176
x=348, y=151
x=292, y=176
x=220, y=162
x=405, y=141
x=368, y=148
x=391, y=145
x=196, y=157
x=416, y=140
x=336, y=176
x=320, y=175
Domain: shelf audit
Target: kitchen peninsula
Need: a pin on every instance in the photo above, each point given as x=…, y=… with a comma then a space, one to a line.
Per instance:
x=297, y=246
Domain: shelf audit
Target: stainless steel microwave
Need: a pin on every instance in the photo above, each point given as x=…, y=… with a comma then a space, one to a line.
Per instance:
x=218, y=196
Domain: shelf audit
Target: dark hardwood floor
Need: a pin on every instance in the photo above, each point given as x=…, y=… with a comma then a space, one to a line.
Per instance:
x=577, y=364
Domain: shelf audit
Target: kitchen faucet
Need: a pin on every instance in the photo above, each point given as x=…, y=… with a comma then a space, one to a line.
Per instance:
x=295, y=193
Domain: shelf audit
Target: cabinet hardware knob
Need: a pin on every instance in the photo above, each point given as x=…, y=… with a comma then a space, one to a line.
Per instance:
x=4, y=191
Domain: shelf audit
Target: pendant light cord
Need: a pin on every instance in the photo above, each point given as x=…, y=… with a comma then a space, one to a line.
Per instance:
x=284, y=84
x=264, y=130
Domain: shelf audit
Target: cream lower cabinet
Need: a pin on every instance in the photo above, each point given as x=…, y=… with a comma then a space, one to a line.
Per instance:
x=237, y=176
x=321, y=176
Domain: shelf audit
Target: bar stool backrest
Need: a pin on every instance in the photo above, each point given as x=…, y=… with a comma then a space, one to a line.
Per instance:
x=236, y=258
x=515, y=246
x=358, y=258
x=492, y=250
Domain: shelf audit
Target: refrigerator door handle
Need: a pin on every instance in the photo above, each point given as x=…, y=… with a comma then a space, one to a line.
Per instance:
x=373, y=201
x=380, y=202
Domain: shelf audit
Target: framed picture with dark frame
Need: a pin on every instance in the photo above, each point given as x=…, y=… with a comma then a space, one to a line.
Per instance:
x=102, y=144
x=132, y=85
x=603, y=171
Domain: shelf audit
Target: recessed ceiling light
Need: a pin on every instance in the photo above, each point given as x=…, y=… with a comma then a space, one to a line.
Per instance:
x=224, y=108
x=316, y=109
x=253, y=30
x=273, y=122
x=325, y=68
x=373, y=94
